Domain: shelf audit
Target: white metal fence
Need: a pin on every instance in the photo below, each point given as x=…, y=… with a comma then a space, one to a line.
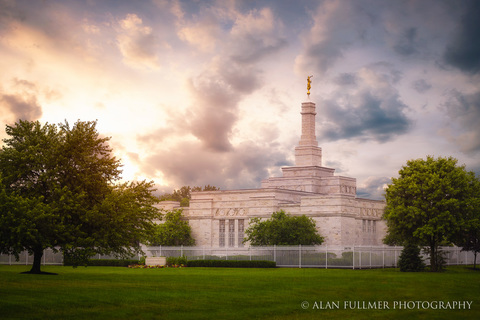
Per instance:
x=49, y=258
x=353, y=257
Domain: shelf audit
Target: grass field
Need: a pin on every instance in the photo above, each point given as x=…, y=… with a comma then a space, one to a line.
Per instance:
x=218, y=293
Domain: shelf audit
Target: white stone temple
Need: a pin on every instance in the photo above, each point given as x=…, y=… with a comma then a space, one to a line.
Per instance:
x=219, y=218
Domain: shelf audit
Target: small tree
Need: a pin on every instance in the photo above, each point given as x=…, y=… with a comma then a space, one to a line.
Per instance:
x=283, y=229
x=410, y=259
x=471, y=241
x=175, y=231
x=469, y=236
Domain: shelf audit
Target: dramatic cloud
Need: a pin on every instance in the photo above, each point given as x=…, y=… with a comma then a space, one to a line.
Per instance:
x=217, y=92
x=254, y=36
x=373, y=188
x=202, y=34
x=21, y=102
x=368, y=108
x=463, y=52
x=464, y=111
x=345, y=79
x=21, y=107
x=231, y=76
x=138, y=43
x=333, y=32
x=421, y=86
x=406, y=44
x=188, y=163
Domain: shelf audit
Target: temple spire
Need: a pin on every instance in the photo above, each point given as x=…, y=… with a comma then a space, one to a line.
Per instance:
x=308, y=153
x=308, y=113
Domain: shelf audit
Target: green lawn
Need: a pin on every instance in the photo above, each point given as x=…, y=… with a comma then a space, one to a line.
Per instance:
x=217, y=293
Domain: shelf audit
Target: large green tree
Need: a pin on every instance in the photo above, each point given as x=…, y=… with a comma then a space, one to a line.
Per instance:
x=427, y=204
x=174, y=231
x=283, y=229
x=59, y=189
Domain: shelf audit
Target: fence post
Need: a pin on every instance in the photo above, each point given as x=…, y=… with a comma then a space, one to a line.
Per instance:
x=326, y=256
x=44, y=253
x=353, y=257
x=395, y=256
x=300, y=256
x=383, y=256
x=370, y=257
x=360, y=258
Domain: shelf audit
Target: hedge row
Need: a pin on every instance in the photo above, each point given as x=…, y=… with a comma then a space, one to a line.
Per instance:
x=183, y=261
x=106, y=262
x=232, y=263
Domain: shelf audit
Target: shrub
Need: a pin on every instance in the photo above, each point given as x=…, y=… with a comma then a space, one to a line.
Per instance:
x=345, y=260
x=410, y=259
x=176, y=261
x=232, y=263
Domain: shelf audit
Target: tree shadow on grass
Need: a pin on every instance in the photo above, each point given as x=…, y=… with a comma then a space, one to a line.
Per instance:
x=40, y=273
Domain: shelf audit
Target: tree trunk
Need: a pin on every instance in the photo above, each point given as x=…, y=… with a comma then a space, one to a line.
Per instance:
x=433, y=259
x=474, y=259
x=37, y=261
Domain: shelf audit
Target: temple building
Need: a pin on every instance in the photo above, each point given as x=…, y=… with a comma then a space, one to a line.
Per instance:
x=220, y=218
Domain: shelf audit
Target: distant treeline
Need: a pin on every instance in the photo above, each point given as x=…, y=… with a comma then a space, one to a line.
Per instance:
x=183, y=195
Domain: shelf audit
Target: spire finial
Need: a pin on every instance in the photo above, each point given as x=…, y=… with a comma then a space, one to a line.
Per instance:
x=309, y=85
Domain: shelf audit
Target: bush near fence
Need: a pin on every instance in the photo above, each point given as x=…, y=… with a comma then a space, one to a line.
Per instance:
x=176, y=261
x=231, y=263
x=105, y=262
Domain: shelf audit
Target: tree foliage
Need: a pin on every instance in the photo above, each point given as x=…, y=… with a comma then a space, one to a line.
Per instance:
x=58, y=190
x=175, y=231
x=283, y=229
x=184, y=194
x=427, y=204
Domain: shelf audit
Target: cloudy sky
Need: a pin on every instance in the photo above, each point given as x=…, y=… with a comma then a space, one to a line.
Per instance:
x=209, y=92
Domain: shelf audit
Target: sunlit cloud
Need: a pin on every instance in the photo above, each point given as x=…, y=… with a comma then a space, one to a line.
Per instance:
x=137, y=43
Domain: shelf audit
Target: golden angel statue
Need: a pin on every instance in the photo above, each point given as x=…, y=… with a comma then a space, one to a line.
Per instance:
x=309, y=85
